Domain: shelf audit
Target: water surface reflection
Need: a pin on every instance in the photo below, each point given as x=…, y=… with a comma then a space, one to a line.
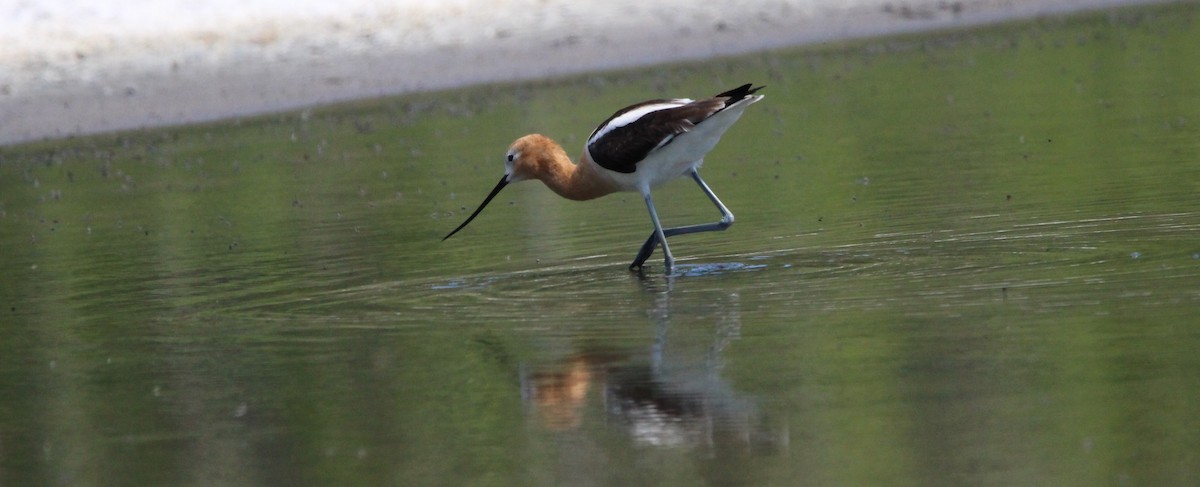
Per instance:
x=661, y=395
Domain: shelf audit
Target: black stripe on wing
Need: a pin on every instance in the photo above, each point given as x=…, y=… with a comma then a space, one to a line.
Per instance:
x=620, y=149
x=623, y=147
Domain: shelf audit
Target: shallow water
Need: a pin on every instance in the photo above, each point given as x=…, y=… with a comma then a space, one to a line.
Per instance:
x=959, y=258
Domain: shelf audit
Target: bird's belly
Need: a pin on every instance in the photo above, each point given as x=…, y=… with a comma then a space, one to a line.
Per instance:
x=651, y=173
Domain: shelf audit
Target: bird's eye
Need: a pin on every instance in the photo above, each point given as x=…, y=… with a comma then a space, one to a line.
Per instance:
x=510, y=158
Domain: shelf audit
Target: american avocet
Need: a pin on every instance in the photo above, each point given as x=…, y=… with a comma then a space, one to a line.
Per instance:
x=638, y=148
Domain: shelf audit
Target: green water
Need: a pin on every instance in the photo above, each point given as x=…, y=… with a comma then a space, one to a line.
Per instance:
x=965, y=258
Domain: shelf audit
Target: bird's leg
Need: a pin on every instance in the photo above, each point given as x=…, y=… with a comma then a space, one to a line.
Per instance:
x=662, y=234
x=726, y=215
x=655, y=238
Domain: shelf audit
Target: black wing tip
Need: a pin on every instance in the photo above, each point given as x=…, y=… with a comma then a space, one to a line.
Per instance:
x=740, y=92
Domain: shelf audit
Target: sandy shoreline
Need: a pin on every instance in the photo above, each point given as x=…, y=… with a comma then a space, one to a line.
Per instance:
x=58, y=82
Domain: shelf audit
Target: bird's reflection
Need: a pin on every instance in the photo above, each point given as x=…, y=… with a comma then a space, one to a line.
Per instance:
x=670, y=394
x=557, y=395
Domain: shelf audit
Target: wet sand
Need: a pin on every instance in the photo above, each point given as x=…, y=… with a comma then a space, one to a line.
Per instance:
x=72, y=72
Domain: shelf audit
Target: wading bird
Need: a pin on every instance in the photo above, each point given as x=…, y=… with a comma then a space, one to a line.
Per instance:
x=637, y=149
